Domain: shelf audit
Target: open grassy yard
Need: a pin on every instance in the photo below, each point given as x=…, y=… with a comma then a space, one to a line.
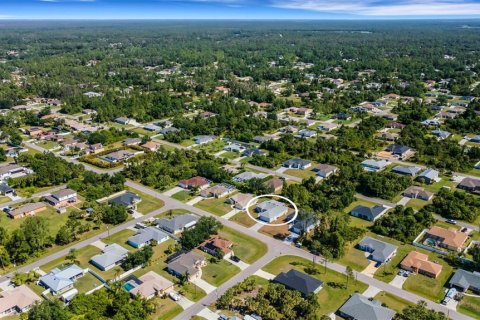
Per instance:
x=230, y=155
x=166, y=309
x=144, y=132
x=246, y=248
x=183, y=196
x=330, y=297
x=121, y=238
x=417, y=204
x=243, y=219
x=435, y=187
x=360, y=223
x=148, y=203
x=217, y=272
x=216, y=206
x=470, y=306
x=173, y=212
x=48, y=145
x=212, y=147
x=355, y=259
x=87, y=283
x=187, y=143
x=303, y=174
x=83, y=256
x=392, y=302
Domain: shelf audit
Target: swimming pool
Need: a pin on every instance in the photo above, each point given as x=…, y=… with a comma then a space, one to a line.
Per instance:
x=128, y=286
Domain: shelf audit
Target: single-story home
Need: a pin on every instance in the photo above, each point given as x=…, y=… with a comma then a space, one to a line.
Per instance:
x=123, y=120
x=151, y=127
x=275, y=184
x=127, y=199
x=60, y=281
x=151, y=145
x=6, y=190
x=62, y=198
x=218, y=191
x=306, y=133
x=470, y=184
x=248, y=175
x=168, y=130
x=29, y=209
x=299, y=281
x=217, y=246
x=194, y=182
x=415, y=192
x=429, y=176
x=234, y=147
x=409, y=171
x=304, y=225
x=203, y=139
x=117, y=156
x=13, y=170
x=253, y=152
x=400, y=151
x=17, y=300
x=379, y=251
x=177, y=224
x=190, y=263
x=240, y=200
x=374, y=165
x=325, y=170
x=145, y=236
x=327, y=126
x=441, y=134
x=418, y=262
x=151, y=284
x=465, y=280
x=297, y=164
x=359, y=307
x=450, y=239
x=367, y=213
x=112, y=256
x=132, y=141
x=271, y=210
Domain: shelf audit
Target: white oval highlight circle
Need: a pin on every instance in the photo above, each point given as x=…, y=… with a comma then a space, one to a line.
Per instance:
x=250, y=203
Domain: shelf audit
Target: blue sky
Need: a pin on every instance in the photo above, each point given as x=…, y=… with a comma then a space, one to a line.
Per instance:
x=237, y=9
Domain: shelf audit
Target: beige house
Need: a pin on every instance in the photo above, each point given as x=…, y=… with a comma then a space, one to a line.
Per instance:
x=17, y=300
x=418, y=262
x=450, y=239
x=29, y=209
x=152, y=284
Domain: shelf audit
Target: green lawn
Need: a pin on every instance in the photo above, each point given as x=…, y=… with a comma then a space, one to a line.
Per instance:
x=303, y=174
x=83, y=256
x=329, y=298
x=183, y=196
x=392, y=302
x=173, y=212
x=87, y=283
x=218, y=272
x=230, y=155
x=470, y=306
x=355, y=259
x=4, y=199
x=417, y=204
x=212, y=147
x=187, y=143
x=148, y=203
x=144, y=132
x=48, y=145
x=121, y=238
x=165, y=309
x=216, y=206
x=243, y=219
x=246, y=248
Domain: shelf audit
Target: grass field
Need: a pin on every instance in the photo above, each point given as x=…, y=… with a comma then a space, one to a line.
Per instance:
x=148, y=203
x=212, y=147
x=87, y=283
x=218, y=272
x=166, y=309
x=329, y=298
x=83, y=256
x=183, y=196
x=355, y=259
x=470, y=306
x=243, y=219
x=121, y=239
x=230, y=155
x=392, y=302
x=303, y=174
x=216, y=206
x=246, y=248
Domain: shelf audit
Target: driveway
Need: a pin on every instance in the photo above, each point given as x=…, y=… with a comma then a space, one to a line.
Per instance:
x=370, y=269
x=207, y=287
x=136, y=214
x=230, y=214
x=195, y=200
x=99, y=244
x=218, y=154
x=242, y=265
x=208, y=314
x=403, y=201
x=172, y=191
x=256, y=227
x=398, y=281
x=371, y=292
x=281, y=170
x=264, y=274
x=185, y=303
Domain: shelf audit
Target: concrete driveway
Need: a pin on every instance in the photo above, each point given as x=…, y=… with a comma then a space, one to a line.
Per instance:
x=208, y=314
x=370, y=269
x=264, y=274
x=207, y=287
x=242, y=265
x=398, y=281
x=403, y=201
x=185, y=303
x=172, y=191
x=371, y=292
x=195, y=200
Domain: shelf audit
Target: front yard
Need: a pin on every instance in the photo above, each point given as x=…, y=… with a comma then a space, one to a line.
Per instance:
x=246, y=248
x=216, y=206
x=148, y=203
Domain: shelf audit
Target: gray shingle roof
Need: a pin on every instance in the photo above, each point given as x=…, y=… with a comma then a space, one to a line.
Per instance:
x=465, y=279
x=148, y=234
x=59, y=279
x=380, y=251
x=299, y=281
x=412, y=170
x=112, y=254
x=126, y=199
x=177, y=222
x=370, y=213
x=360, y=308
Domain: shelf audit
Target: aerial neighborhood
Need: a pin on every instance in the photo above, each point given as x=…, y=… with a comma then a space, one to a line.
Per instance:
x=240, y=171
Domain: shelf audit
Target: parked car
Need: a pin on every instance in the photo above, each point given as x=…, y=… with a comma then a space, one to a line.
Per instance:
x=235, y=258
x=451, y=221
x=174, y=296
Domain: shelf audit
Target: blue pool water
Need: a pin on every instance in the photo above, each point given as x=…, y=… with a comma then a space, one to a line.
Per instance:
x=128, y=286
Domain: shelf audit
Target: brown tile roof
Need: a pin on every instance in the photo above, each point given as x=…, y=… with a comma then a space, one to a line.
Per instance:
x=219, y=243
x=419, y=261
x=195, y=181
x=451, y=237
x=274, y=183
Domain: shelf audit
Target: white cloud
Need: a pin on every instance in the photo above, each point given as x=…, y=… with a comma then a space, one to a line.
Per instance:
x=376, y=8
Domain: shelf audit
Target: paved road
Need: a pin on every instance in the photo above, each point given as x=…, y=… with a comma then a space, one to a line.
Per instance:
x=276, y=248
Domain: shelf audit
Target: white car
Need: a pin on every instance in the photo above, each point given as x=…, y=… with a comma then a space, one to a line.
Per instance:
x=174, y=296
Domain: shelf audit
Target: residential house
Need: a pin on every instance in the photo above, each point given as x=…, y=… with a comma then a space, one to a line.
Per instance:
x=441, y=134
x=343, y=116
x=373, y=165
x=150, y=285
x=62, y=198
x=95, y=148
x=248, y=175
x=253, y=152
x=418, y=262
x=118, y=156
x=234, y=147
x=305, y=133
x=194, y=183
x=304, y=112
x=89, y=111
x=123, y=120
x=151, y=127
x=261, y=139
x=394, y=125
x=387, y=136
x=369, y=214
x=59, y=281
x=17, y=300
x=325, y=170
x=408, y=171
x=271, y=210
x=187, y=264
x=380, y=251
x=415, y=192
x=29, y=209
x=34, y=132
x=151, y=145
x=429, y=176
x=13, y=171
x=276, y=184
x=301, y=226
x=177, y=224
x=359, y=307
x=288, y=129
x=207, y=114
x=112, y=256
x=203, y=139
x=6, y=190
x=127, y=199
x=146, y=236
x=217, y=246
x=132, y=141
x=450, y=239
x=169, y=130
x=397, y=150
x=470, y=184
x=218, y=191
x=327, y=126
x=475, y=139
x=92, y=94
x=464, y=280
x=299, y=281
x=297, y=164
x=240, y=200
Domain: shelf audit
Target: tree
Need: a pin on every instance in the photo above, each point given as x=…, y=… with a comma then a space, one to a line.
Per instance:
x=205, y=227
x=72, y=256
x=114, y=214
x=48, y=310
x=420, y=312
